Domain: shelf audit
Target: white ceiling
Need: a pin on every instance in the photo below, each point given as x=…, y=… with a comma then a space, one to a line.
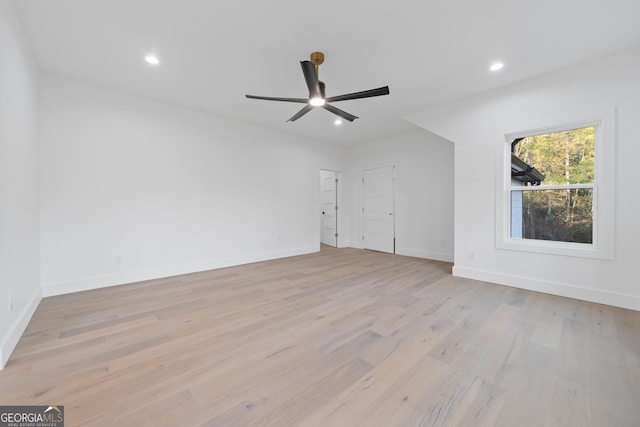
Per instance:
x=212, y=53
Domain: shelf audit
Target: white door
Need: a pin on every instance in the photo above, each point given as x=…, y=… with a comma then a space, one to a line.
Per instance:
x=378, y=209
x=329, y=226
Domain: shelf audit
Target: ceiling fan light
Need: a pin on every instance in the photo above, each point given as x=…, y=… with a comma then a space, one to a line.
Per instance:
x=316, y=102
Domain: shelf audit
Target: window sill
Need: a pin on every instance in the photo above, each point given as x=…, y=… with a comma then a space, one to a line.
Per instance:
x=581, y=250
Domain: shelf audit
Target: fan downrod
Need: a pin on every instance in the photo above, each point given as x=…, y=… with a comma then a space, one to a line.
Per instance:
x=317, y=58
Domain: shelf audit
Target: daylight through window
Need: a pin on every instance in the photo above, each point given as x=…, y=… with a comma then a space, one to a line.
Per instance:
x=552, y=186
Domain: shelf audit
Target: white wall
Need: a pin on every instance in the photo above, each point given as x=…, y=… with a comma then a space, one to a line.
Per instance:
x=19, y=230
x=475, y=125
x=134, y=189
x=424, y=203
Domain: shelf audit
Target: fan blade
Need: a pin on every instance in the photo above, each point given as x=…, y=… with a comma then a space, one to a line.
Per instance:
x=301, y=113
x=311, y=77
x=270, y=98
x=339, y=112
x=357, y=95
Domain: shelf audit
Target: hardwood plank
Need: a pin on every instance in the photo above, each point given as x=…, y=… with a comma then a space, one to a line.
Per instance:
x=569, y=403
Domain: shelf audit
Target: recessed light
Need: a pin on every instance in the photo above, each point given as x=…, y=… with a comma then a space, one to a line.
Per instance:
x=496, y=66
x=152, y=59
x=338, y=122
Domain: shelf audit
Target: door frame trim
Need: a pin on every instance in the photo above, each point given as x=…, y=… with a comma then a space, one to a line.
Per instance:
x=340, y=243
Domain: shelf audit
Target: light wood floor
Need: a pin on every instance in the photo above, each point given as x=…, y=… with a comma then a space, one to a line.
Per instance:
x=340, y=338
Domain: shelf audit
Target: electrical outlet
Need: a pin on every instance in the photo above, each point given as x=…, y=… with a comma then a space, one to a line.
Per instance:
x=117, y=259
x=472, y=255
x=442, y=243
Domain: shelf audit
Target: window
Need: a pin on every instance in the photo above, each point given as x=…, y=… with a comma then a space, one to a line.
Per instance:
x=552, y=177
x=556, y=193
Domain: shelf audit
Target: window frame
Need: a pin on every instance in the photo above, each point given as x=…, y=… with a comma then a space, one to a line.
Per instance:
x=602, y=246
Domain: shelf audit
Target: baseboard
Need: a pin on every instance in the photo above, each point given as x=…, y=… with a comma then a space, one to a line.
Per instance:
x=616, y=299
x=418, y=253
x=88, y=283
x=15, y=331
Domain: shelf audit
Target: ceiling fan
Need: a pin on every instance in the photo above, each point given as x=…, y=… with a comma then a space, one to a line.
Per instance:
x=317, y=96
